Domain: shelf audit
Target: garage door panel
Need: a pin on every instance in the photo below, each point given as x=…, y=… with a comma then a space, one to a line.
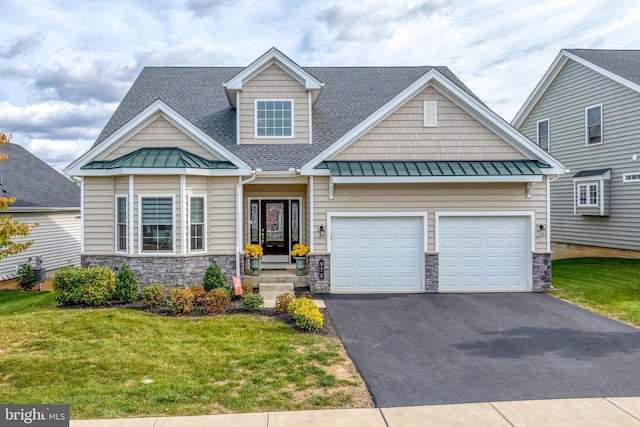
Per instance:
x=484, y=253
x=386, y=254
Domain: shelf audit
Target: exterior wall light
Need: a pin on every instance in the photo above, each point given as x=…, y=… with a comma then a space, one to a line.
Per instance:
x=322, y=231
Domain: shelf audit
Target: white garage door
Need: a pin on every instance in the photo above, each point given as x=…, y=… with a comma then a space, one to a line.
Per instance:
x=484, y=254
x=377, y=254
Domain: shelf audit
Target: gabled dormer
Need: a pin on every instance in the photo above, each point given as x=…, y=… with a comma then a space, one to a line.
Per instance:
x=273, y=98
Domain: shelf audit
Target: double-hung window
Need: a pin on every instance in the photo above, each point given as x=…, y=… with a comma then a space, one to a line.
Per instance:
x=121, y=224
x=588, y=194
x=274, y=118
x=593, y=125
x=542, y=137
x=196, y=224
x=156, y=221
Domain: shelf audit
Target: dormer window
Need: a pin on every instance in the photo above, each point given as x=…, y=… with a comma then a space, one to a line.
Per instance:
x=274, y=118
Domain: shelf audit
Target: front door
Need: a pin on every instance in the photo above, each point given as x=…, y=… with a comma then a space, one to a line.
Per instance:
x=275, y=226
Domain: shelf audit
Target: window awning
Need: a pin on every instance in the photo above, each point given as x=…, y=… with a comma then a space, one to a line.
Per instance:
x=594, y=173
x=163, y=158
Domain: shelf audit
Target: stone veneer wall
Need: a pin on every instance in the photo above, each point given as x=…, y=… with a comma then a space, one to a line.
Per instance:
x=431, y=273
x=169, y=271
x=316, y=285
x=541, y=264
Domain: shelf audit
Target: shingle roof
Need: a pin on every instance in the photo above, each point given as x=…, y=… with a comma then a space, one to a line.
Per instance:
x=433, y=168
x=161, y=157
x=625, y=63
x=593, y=172
x=33, y=182
x=350, y=95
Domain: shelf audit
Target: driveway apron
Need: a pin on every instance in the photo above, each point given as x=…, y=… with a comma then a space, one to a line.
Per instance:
x=423, y=349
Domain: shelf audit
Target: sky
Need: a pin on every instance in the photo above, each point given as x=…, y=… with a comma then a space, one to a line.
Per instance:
x=66, y=64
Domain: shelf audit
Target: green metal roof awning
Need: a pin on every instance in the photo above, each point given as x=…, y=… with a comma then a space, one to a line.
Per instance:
x=377, y=169
x=163, y=158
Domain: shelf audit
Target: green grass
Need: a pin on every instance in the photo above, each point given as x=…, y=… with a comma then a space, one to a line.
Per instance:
x=97, y=361
x=609, y=286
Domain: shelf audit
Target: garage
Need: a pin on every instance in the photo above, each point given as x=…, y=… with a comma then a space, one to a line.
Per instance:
x=377, y=254
x=484, y=253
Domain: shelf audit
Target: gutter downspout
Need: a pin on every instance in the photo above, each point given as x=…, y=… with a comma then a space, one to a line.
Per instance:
x=239, y=215
x=549, y=181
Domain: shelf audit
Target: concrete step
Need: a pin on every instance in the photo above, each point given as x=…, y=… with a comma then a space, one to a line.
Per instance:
x=270, y=291
x=276, y=276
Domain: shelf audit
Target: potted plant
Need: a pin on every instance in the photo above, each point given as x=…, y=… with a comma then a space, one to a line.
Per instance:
x=254, y=253
x=299, y=253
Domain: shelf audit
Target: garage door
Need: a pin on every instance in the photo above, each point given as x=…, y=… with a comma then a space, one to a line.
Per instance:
x=484, y=254
x=377, y=254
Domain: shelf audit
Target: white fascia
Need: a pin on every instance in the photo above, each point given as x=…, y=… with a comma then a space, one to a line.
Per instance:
x=156, y=109
x=163, y=171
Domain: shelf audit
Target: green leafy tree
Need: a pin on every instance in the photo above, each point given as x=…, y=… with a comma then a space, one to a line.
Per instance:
x=126, y=285
x=9, y=228
x=214, y=278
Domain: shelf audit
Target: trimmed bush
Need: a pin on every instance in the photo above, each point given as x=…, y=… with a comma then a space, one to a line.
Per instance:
x=126, y=285
x=78, y=285
x=283, y=301
x=253, y=302
x=200, y=297
x=306, y=314
x=180, y=300
x=152, y=296
x=26, y=277
x=214, y=278
x=247, y=289
x=218, y=301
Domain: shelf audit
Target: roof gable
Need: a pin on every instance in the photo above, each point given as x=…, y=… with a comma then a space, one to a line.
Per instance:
x=621, y=66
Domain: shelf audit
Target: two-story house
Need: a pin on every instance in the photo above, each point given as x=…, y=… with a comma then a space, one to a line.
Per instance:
x=398, y=178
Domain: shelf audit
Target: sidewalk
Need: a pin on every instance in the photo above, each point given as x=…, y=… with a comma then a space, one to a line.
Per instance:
x=618, y=411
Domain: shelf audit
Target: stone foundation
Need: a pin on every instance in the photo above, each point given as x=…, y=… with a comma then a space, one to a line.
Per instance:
x=169, y=271
x=431, y=272
x=316, y=284
x=541, y=265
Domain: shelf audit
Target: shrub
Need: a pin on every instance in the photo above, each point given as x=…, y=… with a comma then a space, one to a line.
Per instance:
x=283, y=301
x=26, y=278
x=78, y=285
x=247, y=289
x=253, y=302
x=306, y=314
x=213, y=278
x=181, y=300
x=199, y=295
x=152, y=296
x=218, y=301
x=126, y=285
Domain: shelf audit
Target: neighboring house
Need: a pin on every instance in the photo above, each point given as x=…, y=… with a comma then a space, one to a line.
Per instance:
x=398, y=178
x=586, y=112
x=44, y=196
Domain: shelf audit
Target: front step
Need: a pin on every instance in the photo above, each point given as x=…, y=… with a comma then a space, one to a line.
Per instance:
x=276, y=276
x=269, y=291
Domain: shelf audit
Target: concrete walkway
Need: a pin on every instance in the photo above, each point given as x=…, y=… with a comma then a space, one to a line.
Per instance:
x=618, y=411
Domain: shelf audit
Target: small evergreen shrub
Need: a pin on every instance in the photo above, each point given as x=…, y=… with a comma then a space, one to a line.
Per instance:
x=218, y=301
x=78, y=285
x=180, y=300
x=283, y=301
x=152, y=296
x=253, y=302
x=126, y=285
x=200, y=297
x=26, y=277
x=214, y=278
x=306, y=314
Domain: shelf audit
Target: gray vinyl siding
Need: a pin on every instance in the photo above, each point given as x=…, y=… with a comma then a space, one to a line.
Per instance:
x=575, y=88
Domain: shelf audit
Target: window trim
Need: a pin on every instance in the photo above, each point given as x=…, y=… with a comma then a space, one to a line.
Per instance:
x=631, y=177
x=586, y=125
x=425, y=122
x=173, y=225
x=255, y=118
x=204, y=223
x=548, y=149
x=117, y=224
x=588, y=185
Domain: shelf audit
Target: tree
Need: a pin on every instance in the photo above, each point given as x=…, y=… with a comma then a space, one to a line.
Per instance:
x=9, y=228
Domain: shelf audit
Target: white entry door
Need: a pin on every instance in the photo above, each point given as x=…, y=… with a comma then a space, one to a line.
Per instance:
x=377, y=254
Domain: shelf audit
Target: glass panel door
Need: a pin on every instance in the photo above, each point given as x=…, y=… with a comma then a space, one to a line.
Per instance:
x=275, y=227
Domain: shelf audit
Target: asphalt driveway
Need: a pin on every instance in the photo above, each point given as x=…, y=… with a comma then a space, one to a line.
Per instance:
x=421, y=349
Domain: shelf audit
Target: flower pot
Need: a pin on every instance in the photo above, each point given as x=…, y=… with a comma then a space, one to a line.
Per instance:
x=254, y=265
x=301, y=264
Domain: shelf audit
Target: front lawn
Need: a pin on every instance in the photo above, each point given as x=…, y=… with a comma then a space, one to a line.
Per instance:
x=609, y=286
x=110, y=362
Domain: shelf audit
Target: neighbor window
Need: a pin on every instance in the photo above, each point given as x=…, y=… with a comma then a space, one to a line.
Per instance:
x=274, y=118
x=593, y=118
x=588, y=194
x=157, y=224
x=430, y=113
x=631, y=177
x=121, y=223
x=543, y=134
x=196, y=223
